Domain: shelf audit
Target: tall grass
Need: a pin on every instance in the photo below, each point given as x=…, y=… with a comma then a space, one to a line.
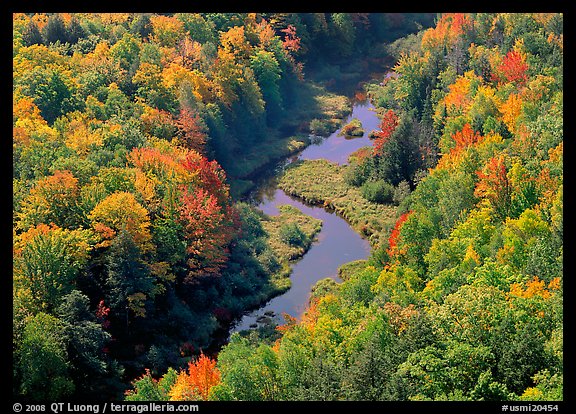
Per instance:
x=321, y=182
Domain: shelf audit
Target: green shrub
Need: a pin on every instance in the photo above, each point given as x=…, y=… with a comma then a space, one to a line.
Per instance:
x=355, y=175
x=320, y=127
x=379, y=191
x=291, y=234
x=401, y=191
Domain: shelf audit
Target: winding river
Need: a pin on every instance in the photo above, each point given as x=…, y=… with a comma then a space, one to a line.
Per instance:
x=336, y=244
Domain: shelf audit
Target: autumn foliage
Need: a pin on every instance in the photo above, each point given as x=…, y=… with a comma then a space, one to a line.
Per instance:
x=208, y=231
x=191, y=131
x=535, y=287
x=395, y=234
x=448, y=30
x=458, y=97
x=465, y=138
x=130, y=131
x=464, y=300
x=494, y=185
x=513, y=68
x=121, y=211
x=387, y=127
x=197, y=381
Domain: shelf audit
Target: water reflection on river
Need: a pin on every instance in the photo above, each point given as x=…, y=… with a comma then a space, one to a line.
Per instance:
x=336, y=243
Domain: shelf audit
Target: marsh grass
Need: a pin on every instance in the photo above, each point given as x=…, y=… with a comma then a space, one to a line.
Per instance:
x=351, y=268
x=320, y=182
x=291, y=217
x=241, y=172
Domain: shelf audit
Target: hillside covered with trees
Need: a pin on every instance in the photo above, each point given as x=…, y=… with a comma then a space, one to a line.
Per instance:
x=461, y=299
x=134, y=138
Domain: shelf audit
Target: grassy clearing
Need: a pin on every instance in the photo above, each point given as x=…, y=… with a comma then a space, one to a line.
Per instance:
x=261, y=259
x=240, y=172
x=333, y=109
x=321, y=182
x=319, y=111
x=287, y=253
x=283, y=225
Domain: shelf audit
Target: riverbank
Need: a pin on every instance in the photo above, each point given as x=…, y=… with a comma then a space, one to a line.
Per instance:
x=323, y=103
x=290, y=235
x=345, y=214
x=321, y=182
x=327, y=255
x=319, y=113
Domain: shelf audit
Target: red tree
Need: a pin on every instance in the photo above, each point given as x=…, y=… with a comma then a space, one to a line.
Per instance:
x=212, y=176
x=191, y=131
x=209, y=228
x=387, y=127
x=291, y=44
x=393, y=240
x=513, y=68
x=495, y=186
x=466, y=137
x=291, y=41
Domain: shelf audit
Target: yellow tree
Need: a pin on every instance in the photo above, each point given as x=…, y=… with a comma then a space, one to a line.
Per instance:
x=511, y=110
x=80, y=137
x=53, y=199
x=234, y=42
x=47, y=260
x=121, y=211
x=166, y=31
x=28, y=122
x=458, y=99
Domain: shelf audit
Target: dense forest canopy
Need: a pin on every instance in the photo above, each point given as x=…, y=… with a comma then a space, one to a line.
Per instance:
x=135, y=134
x=463, y=299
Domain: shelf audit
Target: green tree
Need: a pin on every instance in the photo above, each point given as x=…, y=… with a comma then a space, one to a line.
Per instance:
x=141, y=25
x=47, y=262
x=248, y=373
x=399, y=157
x=55, y=29
x=147, y=388
x=75, y=30
x=129, y=282
x=52, y=91
x=455, y=198
x=42, y=360
x=198, y=27
x=268, y=74
x=370, y=374
x=522, y=358
x=31, y=34
x=126, y=51
x=86, y=340
x=344, y=31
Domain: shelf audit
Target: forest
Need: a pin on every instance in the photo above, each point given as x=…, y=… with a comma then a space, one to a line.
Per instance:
x=138, y=139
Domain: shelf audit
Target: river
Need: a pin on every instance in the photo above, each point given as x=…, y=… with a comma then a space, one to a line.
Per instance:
x=336, y=244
